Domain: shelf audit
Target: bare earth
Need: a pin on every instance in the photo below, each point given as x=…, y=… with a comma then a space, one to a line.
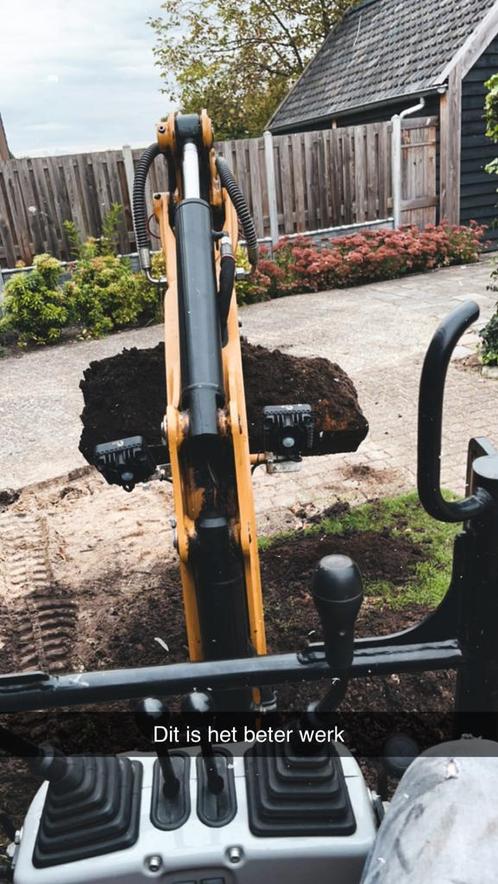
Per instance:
x=68, y=531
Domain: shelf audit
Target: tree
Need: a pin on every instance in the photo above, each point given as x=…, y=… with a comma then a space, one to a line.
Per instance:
x=239, y=59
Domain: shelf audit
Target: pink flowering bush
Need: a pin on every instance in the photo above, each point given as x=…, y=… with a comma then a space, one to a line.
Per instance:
x=300, y=265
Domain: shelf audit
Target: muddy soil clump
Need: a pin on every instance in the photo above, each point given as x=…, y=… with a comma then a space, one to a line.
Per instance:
x=125, y=395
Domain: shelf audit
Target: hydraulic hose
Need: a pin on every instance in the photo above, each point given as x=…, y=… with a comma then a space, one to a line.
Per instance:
x=140, y=205
x=228, y=181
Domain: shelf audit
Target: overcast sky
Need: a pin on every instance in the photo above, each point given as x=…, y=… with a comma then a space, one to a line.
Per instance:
x=78, y=75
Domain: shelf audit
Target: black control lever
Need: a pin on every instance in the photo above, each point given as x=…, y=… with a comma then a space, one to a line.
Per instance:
x=216, y=799
x=170, y=804
x=430, y=418
x=338, y=594
x=44, y=760
x=200, y=705
x=150, y=713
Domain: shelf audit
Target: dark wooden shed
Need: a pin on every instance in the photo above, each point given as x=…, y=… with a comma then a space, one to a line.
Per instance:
x=382, y=57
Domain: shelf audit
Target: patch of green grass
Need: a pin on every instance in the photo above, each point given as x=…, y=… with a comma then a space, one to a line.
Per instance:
x=401, y=516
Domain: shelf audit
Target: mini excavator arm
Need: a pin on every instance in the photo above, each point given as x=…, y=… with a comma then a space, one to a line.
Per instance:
x=205, y=423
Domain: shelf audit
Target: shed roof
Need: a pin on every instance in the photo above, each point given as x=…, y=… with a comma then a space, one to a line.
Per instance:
x=382, y=50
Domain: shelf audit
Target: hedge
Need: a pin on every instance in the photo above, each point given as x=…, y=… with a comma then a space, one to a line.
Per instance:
x=297, y=265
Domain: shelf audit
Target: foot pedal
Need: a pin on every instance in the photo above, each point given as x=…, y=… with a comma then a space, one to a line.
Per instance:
x=125, y=462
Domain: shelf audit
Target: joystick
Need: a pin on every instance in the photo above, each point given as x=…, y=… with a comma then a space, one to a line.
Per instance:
x=92, y=804
x=338, y=593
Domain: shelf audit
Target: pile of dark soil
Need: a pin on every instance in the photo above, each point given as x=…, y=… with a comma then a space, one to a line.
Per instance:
x=125, y=395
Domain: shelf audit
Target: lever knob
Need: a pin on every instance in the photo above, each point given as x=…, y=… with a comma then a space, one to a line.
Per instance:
x=399, y=752
x=149, y=713
x=198, y=703
x=338, y=593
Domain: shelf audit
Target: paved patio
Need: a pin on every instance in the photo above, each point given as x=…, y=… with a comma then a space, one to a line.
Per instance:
x=377, y=333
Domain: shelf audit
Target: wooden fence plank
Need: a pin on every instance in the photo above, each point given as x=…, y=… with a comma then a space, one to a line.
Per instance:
x=348, y=180
x=322, y=180
x=255, y=186
x=372, y=171
x=384, y=167
x=286, y=170
x=360, y=173
x=299, y=177
x=9, y=250
x=336, y=191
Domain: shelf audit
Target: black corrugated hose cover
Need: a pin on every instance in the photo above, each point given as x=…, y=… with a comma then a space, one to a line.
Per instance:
x=139, y=202
x=228, y=181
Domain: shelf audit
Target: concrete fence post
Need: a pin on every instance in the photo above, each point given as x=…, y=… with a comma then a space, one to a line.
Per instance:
x=396, y=168
x=129, y=170
x=130, y=178
x=271, y=185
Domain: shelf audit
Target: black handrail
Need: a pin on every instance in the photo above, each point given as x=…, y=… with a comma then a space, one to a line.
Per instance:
x=29, y=691
x=430, y=419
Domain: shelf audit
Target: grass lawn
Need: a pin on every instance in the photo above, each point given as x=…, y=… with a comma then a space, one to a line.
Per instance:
x=399, y=518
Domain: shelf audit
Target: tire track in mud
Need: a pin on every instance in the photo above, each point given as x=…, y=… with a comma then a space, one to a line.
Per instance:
x=41, y=615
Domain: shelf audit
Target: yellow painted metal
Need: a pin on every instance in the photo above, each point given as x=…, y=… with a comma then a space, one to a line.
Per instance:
x=233, y=421
x=175, y=433
x=236, y=405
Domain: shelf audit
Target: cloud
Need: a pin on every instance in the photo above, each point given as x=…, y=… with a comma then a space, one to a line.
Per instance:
x=78, y=74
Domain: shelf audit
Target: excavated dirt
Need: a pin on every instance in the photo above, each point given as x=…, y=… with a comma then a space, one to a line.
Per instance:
x=125, y=395
x=120, y=621
x=103, y=558
x=121, y=617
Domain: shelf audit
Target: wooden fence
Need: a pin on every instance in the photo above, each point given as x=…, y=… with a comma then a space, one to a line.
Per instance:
x=297, y=182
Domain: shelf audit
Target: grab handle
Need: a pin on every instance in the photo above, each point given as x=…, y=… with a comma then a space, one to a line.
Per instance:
x=430, y=418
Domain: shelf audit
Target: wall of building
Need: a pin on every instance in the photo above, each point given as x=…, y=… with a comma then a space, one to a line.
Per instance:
x=478, y=198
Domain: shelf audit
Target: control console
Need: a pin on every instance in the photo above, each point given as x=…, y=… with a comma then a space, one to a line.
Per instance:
x=278, y=817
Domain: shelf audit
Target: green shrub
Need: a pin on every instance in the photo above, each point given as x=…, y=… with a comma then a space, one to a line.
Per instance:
x=106, y=294
x=489, y=337
x=35, y=306
x=73, y=239
x=106, y=244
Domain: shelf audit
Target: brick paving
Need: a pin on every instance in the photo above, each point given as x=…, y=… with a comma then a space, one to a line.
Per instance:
x=377, y=333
